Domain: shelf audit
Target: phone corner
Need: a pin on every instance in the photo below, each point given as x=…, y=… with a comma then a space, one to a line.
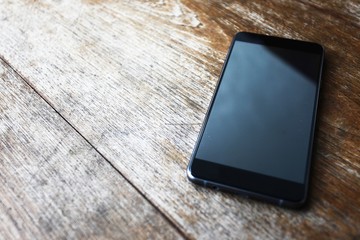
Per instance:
x=189, y=174
x=241, y=33
x=321, y=47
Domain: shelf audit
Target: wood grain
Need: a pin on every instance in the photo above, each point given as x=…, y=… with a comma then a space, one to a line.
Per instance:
x=54, y=185
x=135, y=78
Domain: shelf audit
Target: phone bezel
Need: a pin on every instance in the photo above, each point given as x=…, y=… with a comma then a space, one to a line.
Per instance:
x=251, y=184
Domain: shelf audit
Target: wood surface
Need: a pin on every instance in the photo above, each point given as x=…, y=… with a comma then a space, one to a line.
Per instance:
x=134, y=79
x=54, y=184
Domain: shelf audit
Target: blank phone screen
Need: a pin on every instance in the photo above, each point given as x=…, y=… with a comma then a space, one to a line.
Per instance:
x=262, y=115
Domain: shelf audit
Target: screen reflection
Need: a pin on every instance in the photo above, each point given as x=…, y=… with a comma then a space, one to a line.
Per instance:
x=262, y=116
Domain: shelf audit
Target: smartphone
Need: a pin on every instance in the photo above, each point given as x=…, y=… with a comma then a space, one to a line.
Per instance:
x=257, y=136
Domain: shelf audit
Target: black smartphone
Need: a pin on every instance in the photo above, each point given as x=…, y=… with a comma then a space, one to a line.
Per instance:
x=258, y=133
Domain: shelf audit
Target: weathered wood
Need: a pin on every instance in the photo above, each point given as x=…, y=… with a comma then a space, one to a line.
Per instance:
x=54, y=185
x=135, y=78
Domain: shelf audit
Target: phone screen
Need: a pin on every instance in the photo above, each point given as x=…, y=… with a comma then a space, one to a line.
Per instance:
x=261, y=120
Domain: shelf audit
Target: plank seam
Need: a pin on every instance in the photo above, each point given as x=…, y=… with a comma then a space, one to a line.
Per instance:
x=48, y=102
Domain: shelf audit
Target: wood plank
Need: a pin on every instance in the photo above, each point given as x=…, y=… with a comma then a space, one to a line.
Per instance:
x=135, y=78
x=54, y=185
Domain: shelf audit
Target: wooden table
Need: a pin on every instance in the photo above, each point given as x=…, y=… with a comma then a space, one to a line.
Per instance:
x=102, y=101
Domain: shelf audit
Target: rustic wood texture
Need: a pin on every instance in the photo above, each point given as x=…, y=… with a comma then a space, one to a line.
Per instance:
x=135, y=79
x=53, y=184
